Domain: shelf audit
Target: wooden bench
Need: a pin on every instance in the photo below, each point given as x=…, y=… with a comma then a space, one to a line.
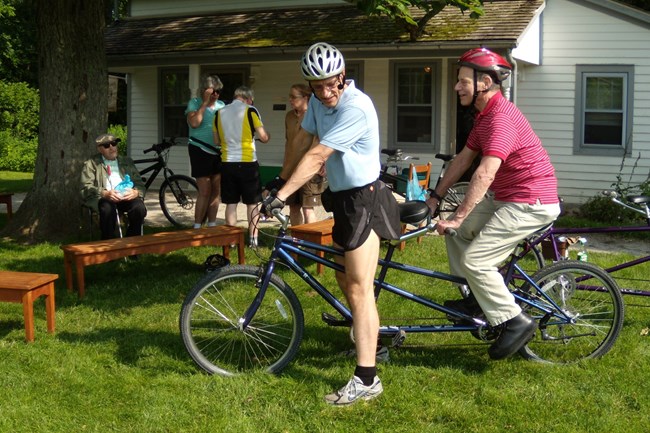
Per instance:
x=319, y=232
x=6, y=199
x=95, y=252
x=25, y=287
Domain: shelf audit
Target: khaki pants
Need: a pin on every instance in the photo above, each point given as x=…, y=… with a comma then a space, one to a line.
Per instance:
x=486, y=238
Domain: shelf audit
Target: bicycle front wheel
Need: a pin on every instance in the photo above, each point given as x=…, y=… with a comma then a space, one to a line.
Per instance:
x=213, y=336
x=178, y=196
x=592, y=301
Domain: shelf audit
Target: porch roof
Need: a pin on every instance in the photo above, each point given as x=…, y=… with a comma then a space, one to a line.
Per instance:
x=287, y=32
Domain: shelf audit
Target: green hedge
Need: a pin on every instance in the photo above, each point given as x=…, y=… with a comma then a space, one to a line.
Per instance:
x=19, y=107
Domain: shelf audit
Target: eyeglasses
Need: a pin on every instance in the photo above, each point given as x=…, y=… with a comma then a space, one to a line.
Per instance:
x=109, y=144
x=330, y=85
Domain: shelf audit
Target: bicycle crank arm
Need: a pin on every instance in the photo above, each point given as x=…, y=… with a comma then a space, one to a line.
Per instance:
x=565, y=338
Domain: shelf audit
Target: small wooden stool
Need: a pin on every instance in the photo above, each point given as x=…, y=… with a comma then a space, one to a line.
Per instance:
x=25, y=287
x=319, y=232
x=6, y=199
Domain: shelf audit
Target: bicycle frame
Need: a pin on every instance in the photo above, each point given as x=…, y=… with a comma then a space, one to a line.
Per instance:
x=286, y=247
x=553, y=233
x=157, y=166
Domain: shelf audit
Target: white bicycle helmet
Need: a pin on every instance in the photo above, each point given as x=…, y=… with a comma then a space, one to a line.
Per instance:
x=322, y=61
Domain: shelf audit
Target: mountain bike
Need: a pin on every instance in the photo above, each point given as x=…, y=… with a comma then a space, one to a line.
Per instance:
x=394, y=170
x=178, y=193
x=241, y=319
x=392, y=174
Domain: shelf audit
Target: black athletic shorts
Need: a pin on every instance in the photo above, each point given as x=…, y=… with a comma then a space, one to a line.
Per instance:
x=203, y=164
x=359, y=210
x=240, y=182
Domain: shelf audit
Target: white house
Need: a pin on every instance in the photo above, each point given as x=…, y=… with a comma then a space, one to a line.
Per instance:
x=582, y=74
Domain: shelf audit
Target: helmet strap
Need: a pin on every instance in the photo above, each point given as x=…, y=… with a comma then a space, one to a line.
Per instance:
x=475, y=87
x=342, y=83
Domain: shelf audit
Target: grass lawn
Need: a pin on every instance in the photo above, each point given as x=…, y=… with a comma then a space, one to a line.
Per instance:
x=117, y=363
x=11, y=181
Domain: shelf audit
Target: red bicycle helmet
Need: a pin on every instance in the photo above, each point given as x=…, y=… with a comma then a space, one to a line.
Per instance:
x=484, y=60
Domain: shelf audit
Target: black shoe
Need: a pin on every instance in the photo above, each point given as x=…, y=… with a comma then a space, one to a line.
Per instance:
x=516, y=333
x=468, y=306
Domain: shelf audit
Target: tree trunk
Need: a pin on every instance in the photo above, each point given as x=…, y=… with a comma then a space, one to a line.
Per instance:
x=74, y=97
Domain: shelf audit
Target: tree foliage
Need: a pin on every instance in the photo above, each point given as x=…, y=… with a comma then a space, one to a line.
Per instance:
x=401, y=11
x=18, y=42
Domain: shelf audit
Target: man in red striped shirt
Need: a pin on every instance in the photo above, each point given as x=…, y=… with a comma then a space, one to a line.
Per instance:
x=512, y=194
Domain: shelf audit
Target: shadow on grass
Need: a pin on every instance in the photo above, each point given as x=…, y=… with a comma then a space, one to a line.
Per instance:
x=114, y=285
x=136, y=346
x=323, y=347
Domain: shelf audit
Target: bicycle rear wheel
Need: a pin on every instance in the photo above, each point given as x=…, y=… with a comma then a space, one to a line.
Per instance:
x=592, y=300
x=178, y=196
x=212, y=334
x=452, y=199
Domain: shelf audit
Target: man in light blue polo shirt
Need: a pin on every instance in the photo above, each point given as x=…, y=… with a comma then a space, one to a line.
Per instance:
x=345, y=122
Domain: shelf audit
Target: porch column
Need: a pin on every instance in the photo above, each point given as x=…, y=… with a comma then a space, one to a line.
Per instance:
x=194, y=79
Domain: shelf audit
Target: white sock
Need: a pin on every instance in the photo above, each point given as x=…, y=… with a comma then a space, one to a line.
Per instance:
x=212, y=223
x=197, y=225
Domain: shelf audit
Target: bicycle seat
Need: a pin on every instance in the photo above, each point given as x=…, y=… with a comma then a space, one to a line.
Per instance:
x=413, y=212
x=391, y=152
x=444, y=157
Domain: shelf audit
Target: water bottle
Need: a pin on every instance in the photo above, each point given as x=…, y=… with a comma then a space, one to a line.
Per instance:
x=582, y=254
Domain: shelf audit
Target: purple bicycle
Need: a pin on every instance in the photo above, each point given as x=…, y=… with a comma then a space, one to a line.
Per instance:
x=550, y=243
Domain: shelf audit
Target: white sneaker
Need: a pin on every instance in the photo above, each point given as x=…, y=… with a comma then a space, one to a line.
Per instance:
x=382, y=354
x=354, y=391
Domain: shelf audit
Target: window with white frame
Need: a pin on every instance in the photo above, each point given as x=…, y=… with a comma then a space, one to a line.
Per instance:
x=414, y=110
x=175, y=94
x=604, y=109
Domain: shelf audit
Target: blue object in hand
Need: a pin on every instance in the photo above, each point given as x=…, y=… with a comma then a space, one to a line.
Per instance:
x=124, y=185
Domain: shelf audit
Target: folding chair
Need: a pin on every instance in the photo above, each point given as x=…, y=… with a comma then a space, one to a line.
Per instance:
x=423, y=172
x=93, y=219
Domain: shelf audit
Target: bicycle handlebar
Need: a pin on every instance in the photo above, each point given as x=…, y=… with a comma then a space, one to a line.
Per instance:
x=161, y=147
x=636, y=199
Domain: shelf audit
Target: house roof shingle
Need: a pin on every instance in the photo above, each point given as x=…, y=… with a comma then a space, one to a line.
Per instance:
x=293, y=29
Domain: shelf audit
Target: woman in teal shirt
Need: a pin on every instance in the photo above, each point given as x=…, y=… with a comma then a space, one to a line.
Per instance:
x=205, y=157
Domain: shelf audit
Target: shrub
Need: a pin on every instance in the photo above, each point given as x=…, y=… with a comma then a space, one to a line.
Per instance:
x=19, y=106
x=120, y=131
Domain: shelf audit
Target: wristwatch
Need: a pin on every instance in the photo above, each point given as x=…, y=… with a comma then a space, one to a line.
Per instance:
x=434, y=194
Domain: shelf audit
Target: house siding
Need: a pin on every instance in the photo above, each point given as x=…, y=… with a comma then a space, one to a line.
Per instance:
x=144, y=118
x=576, y=35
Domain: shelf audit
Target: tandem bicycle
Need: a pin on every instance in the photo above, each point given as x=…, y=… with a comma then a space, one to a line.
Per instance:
x=242, y=319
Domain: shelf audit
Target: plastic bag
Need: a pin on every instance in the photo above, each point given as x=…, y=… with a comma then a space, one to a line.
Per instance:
x=413, y=189
x=124, y=185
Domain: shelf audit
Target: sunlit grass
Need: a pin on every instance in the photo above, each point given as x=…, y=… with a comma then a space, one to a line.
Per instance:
x=117, y=363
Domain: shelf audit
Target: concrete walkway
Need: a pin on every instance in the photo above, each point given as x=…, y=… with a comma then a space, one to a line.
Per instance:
x=155, y=217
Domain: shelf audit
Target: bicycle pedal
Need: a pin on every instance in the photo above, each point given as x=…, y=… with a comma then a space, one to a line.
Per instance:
x=398, y=339
x=335, y=321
